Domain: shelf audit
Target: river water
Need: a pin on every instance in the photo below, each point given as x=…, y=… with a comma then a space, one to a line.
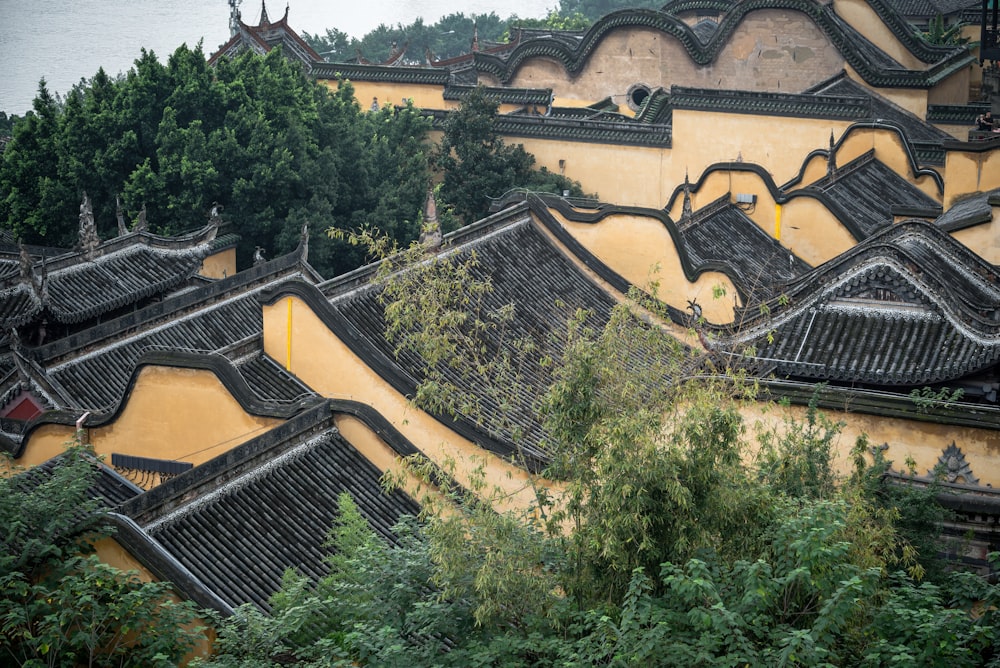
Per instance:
x=66, y=40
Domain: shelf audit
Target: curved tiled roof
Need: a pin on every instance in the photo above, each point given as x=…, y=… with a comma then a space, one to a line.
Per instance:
x=865, y=194
x=871, y=63
x=969, y=211
x=524, y=269
x=910, y=306
x=239, y=521
x=91, y=370
x=722, y=233
x=78, y=286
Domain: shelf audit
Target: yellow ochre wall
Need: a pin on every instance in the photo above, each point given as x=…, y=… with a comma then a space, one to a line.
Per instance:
x=921, y=441
x=172, y=413
x=640, y=249
x=771, y=50
x=219, y=265
x=866, y=21
x=969, y=172
x=704, y=138
x=644, y=176
x=424, y=96
x=329, y=367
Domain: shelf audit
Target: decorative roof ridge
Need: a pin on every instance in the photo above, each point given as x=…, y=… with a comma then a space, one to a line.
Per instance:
x=849, y=107
x=596, y=130
x=540, y=205
x=883, y=247
x=844, y=171
x=179, y=244
x=361, y=72
x=246, y=280
x=900, y=27
x=348, y=282
x=227, y=373
x=876, y=124
x=501, y=93
x=875, y=98
x=188, y=487
x=843, y=36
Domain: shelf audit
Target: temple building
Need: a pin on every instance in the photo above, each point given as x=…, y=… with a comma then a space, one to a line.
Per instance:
x=795, y=176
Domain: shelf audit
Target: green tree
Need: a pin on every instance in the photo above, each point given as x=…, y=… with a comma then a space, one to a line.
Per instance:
x=63, y=607
x=940, y=33
x=478, y=165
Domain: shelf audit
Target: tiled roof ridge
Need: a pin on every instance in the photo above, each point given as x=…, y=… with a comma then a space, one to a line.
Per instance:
x=958, y=114
x=879, y=105
x=156, y=503
x=197, y=242
x=707, y=211
x=768, y=103
x=843, y=171
x=540, y=96
x=540, y=208
x=844, y=37
x=453, y=241
x=619, y=131
x=883, y=248
x=907, y=145
x=879, y=402
x=360, y=72
x=169, y=309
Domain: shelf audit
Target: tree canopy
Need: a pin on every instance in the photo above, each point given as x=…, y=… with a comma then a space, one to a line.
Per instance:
x=254, y=134
x=61, y=606
x=679, y=533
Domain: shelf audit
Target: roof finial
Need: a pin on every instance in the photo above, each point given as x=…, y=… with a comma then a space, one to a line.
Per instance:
x=140, y=220
x=264, y=21
x=831, y=160
x=475, y=36
x=89, y=241
x=120, y=216
x=234, y=17
x=686, y=211
x=304, y=241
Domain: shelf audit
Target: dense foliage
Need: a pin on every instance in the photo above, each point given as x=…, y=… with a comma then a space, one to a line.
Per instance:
x=62, y=606
x=254, y=134
x=678, y=535
x=479, y=166
x=275, y=149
